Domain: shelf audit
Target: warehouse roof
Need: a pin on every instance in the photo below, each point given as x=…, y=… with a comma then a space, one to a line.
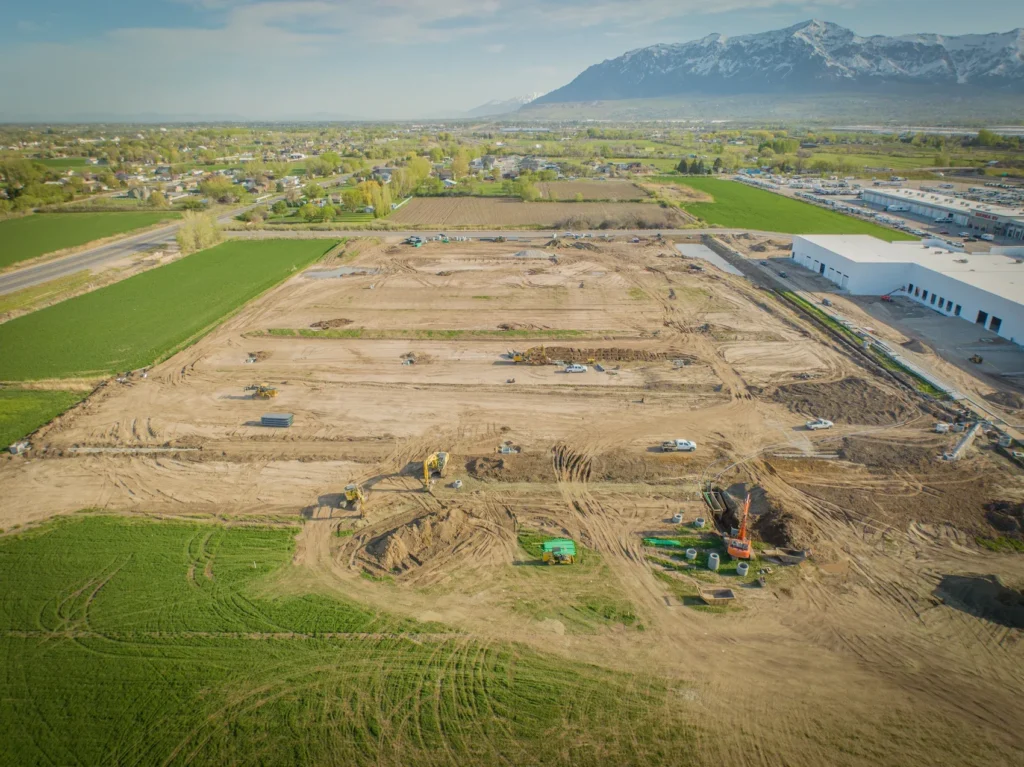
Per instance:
x=1000, y=275
x=945, y=202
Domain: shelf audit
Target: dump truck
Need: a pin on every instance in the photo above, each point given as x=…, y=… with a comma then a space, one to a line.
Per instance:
x=560, y=551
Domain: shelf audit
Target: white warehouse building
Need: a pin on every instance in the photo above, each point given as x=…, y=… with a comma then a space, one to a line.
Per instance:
x=984, y=288
x=976, y=217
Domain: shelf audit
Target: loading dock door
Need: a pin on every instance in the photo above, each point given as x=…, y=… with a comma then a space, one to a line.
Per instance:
x=982, y=318
x=821, y=269
x=845, y=282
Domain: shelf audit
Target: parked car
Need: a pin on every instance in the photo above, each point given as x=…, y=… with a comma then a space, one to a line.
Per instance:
x=678, y=446
x=988, y=237
x=763, y=263
x=783, y=275
x=575, y=368
x=819, y=423
x=964, y=234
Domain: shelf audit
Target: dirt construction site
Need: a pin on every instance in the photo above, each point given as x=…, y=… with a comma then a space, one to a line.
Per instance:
x=894, y=638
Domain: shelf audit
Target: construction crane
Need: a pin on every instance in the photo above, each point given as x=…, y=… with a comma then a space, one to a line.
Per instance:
x=261, y=391
x=739, y=547
x=355, y=498
x=436, y=463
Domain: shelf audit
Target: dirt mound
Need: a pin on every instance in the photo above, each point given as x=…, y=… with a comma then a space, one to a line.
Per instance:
x=406, y=547
x=984, y=596
x=914, y=345
x=1006, y=517
x=851, y=400
x=521, y=326
x=445, y=273
x=518, y=467
x=259, y=356
x=328, y=324
x=873, y=452
x=542, y=355
x=434, y=541
x=759, y=248
x=1007, y=399
x=413, y=358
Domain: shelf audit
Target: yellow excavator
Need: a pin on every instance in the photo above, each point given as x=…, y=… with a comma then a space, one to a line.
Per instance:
x=261, y=391
x=355, y=497
x=436, y=463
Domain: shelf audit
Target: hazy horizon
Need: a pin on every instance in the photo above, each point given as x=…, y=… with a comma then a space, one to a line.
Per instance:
x=279, y=60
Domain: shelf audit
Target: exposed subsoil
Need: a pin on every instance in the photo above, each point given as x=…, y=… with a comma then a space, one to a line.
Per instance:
x=851, y=400
x=328, y=324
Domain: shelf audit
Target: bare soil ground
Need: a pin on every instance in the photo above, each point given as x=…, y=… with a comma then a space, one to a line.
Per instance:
x=614, y=190
x=898, y=643
x=443, y=212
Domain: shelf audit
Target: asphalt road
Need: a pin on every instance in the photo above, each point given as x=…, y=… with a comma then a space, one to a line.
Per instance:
x=512, y=235
x=31, y=276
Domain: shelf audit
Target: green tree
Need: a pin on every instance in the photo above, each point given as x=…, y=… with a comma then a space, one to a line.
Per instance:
x=328, y=213
x=198, y=231
x=682, y=167
x=157, y=200
x=220, y=189
x=313, y=191
x=460, y=164
x=309, y=212
x=280, y=207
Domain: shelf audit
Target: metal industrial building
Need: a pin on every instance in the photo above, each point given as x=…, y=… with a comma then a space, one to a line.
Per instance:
x=980, y=217
x=984, y=288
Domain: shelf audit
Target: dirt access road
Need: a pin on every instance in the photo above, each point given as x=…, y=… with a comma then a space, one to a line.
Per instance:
x=897, y=644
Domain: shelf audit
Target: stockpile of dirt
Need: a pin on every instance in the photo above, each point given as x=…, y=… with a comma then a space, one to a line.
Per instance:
x=541, y=355
x=851, y=400
x=521, y=326
x=518, y=467
x=881, y=453
x=259, y=356
x=1006, y=517
x=445, y=273
x=328, y=324
x=439, y=540
x=1006, y=399
x=914, y=345
x=984, y=596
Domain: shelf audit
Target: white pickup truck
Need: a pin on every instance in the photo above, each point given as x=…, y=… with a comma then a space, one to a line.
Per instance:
x=819, y=423
x=678, y=446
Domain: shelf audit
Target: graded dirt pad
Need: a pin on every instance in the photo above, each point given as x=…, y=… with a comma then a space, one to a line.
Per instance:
x=614, y=190
x=757, y=246
x=921, y=680
x=482, y=211
x=851, y=400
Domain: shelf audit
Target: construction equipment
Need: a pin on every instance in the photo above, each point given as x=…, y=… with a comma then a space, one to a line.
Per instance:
x=977, y=359
x=261, y=391
x=436, y=463
x=739, y=547
x=354, y=497
x=560, y=551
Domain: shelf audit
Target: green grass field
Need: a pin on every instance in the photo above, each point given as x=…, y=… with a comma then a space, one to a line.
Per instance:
x=61, y=163
x=741, y=206
x=24, y=411
x=140, y=642
x=31, y=236
x=134, y=322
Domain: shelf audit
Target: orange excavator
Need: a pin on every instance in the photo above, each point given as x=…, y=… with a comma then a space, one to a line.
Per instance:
x=739, y=547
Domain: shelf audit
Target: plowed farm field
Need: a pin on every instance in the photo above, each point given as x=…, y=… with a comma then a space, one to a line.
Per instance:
x=617, y=190
x=451, y=212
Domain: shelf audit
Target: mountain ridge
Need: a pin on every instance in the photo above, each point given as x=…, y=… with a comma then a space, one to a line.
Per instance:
x=813, y=55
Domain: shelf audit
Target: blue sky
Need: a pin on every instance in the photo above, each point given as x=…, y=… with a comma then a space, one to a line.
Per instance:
x=269, y=59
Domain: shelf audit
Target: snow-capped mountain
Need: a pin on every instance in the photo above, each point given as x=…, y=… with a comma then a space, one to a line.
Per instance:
x=816, y=55
x=501, y=107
